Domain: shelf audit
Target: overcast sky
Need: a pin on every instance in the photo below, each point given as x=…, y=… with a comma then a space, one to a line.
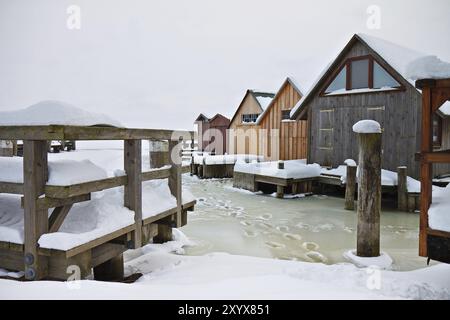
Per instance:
x=160, y=63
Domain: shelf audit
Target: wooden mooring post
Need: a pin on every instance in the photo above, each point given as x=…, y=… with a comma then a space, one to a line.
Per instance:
x=350, y=188
x=369, y=195
x=402, y=189
x=280, y=189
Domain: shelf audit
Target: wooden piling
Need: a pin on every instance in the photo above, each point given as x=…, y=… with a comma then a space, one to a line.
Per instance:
x=35, y=174
x=133, y=189
x=350, y=188
x=111, y=270
x=402, y=189
x=369, y=195
x=175, y=176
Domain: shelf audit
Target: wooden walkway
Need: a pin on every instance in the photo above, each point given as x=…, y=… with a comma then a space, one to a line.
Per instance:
x=103, y=254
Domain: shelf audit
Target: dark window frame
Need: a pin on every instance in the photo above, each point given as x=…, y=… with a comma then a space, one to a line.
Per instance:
x=249, y=117
x=347, y=64
x=284, y=113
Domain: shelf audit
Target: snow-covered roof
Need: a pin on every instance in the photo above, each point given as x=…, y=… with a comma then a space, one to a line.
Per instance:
x=288, y=80
x=263, y=98
x=52, y=112
x=410, y=64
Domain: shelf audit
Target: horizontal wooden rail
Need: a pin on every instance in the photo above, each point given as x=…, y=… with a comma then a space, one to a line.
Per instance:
x=61, y=132
x=442, y=156
x=10, y=187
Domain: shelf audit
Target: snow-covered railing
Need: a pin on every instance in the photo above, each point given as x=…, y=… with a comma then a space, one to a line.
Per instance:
x=41, y=193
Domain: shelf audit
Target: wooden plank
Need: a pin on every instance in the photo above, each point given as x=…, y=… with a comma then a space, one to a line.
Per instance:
x=60, y=132
x=11, y=187
x=175, y=176
x=35, y=219
x=161, y=173
x=57, y=217
x=105, y=252
x=438, y=233
x=271, y=180
x=133, y=189
x=46, y=202
x=74, y=190
x=101, y=240
x=159, y=216
x=442, y=156
x=11, y=260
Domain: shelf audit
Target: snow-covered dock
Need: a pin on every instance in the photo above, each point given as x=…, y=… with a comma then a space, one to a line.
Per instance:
x=219, y=166
x=96, y=217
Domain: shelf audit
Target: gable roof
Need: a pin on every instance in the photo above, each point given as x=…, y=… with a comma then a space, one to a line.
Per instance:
x=286, y=82
x=263, y=100
x=218, y=115
x=397, y=57
x=202, y=117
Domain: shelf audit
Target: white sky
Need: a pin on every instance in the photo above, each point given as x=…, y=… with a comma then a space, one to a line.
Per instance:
x=160, y=63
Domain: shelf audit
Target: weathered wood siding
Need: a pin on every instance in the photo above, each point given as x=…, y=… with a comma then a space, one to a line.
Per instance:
x=331, y=118
x=292, y=135
x=239, y=143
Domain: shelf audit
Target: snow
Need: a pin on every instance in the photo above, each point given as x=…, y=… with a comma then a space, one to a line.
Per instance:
x=170, y=275
x=362, y=90
x=232, y=158
x=54, y=112
x=293, y=169
x=439, y=212
x=388, y=178
x=350, y=162
x=383, y=261
x=445, y=108
x=409, y=63
x=428, y=67
x=264, y=101
x=60, y=172
x=367, y=126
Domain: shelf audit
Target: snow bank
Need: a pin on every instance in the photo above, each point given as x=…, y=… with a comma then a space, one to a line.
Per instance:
x=388, y=178
x=367, y=126
x=60, y=172
x=54, y=112
x=384, y=261
x=293, y=169
x=232, y=158
x=224, y=276
x=439, y=212
x=428, y=67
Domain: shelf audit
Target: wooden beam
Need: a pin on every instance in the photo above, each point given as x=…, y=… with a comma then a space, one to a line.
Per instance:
x=57, y=217
x=11, y=187
x=160, y=173
x=175, y=176
x=105, y=252
x=425, y=169
x=35, y=219
x=350, y=188
x=133, y=189
x=61, y=192
x=442, y=156
x=46, y=202
x=402, y=189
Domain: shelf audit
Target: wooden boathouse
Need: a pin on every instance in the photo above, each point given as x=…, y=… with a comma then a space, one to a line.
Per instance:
x=104, y=253
x=368, y=80
x=433, y=243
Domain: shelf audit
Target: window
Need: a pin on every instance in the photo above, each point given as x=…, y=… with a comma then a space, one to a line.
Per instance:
x=339, y=82
x=437, y=131
x=251, y=117
x=361, y=73
x=381, y=78
x=285, y=114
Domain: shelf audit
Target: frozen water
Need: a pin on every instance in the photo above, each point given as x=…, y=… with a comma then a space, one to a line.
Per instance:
x=313, y=229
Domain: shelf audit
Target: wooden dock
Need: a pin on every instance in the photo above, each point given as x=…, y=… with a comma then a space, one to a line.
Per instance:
x=103, y=254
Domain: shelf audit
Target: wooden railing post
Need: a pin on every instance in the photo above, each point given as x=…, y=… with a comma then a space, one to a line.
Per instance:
x=369, y=195
x=133, y=188
x=158, y=150
x=402, y=189
x=350, y=188
x=35, y=175
x=175, y=175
